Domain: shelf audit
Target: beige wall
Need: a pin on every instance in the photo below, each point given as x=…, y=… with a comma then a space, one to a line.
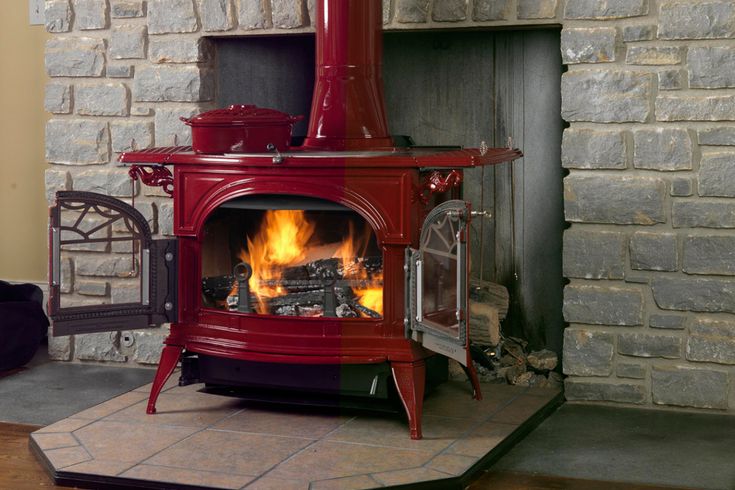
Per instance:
x=23, y=207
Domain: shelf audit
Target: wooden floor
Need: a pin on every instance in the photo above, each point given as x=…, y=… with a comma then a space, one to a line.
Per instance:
x=19, y=470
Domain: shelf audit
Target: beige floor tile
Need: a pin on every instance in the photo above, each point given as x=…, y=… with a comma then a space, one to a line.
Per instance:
x=111, y=406
x=381, y=430
x=360, y=482
x=67, y=456
x=268, y=483
x=329, y=459
x=128, y=442
x=482, y=440
x=454, y=399
x=99, y=467
x=54, y=440
x=283, y=421
x=408, y=476
x=452, y=464
x=520, y=409
x=64, y=425
x=230, y=452
x=207, y=479
x=191, y=410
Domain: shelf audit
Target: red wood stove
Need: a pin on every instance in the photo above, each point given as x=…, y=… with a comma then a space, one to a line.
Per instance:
x=349, y=164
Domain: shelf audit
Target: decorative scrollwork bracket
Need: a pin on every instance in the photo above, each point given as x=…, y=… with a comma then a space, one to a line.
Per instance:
x=157, y=176
x=436, y=182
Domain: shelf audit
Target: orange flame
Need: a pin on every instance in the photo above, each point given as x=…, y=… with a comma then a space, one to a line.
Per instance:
x=286, y=238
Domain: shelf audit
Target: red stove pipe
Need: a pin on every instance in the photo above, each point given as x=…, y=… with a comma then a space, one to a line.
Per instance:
x=348, y=109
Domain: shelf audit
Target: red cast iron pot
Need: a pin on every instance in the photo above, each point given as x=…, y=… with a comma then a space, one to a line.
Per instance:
x=241, y=129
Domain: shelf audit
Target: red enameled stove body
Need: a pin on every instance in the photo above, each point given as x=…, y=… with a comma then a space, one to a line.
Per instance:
x=347, y=158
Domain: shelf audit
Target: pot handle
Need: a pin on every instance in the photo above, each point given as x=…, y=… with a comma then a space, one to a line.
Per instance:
x=185, y=120
x=297, y=118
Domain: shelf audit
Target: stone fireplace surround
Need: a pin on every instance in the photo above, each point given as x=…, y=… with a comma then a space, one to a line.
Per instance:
x=649, y=149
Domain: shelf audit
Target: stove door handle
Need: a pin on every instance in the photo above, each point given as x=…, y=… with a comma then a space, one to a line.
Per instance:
x=419, y=290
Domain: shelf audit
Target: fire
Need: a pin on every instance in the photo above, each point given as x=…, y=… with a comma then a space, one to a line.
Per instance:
x=286, y=238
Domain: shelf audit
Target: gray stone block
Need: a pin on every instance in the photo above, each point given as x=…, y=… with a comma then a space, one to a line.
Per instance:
x=449, y=10
x=98, y=347
x=717, y=175
x=670, y=80
x=593, y=255
x=588, y=45
x=604, y=9
x=120, y=71
x=168, y=83
x=689, y=387
x=488, y=10
x=75, y=57
x=140, y=110
x=696, y=20
x=254, y=14
x=58, y=15
x=59, y=348
x=645, y=345
x=671, y=322
x=717, y=136
x=709, y=254
x=653, y=55
x=148, y=345
x=125, y=9
x=170, y=16
x=587, y=352
x=703, y=214
x=682, y=187
x=166, y=218
x=694, y=294
x=412, y=11
x=77, y=142
x=653, y=251
x=630, y=370
x=188, y=50
x=169, y=129
x=289, y=14
x=605, y=96
x=93, y=288
x=105, y=266
x=711, y=341
x=662, y=149
x=387, y=11
x=131, y=135
x=635, y=33
x=695, y=108
x=216, y=15
x=111, y=182
x=90, y=14
x=126, y=292
x=577, y=390
x=614, y=199
x=57, y=98
x=108, y=99
x=593, y=149
x=711, y=67
x=128, y=42
x=537, y=9
x=603, y=305
x=56, y=180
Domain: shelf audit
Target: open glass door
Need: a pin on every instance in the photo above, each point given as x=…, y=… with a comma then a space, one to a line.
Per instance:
x=128, y=279
x=436, y=289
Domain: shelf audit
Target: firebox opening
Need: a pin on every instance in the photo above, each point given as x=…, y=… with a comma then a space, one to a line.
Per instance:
x=291, y=256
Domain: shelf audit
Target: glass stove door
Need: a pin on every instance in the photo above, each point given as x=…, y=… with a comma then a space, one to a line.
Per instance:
x=437, y=282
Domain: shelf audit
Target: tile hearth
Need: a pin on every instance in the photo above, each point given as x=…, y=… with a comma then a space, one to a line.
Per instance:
x=206, y=440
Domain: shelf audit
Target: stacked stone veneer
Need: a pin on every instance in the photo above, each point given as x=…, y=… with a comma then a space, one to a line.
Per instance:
x=650, y=150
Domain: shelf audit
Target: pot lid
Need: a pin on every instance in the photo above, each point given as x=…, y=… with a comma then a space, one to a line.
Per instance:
x=242, y=115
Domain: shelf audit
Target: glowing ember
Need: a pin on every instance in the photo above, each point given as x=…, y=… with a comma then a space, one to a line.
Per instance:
x=286, y=239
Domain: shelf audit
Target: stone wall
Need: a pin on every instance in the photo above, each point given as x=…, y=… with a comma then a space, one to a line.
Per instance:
x=650, y=253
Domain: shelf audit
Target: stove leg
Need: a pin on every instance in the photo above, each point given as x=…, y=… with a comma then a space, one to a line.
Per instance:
x=169, y=358
x=410, y=378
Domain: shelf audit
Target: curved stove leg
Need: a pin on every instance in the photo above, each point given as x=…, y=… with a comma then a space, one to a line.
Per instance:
x=169, y=358
x=410, y=378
